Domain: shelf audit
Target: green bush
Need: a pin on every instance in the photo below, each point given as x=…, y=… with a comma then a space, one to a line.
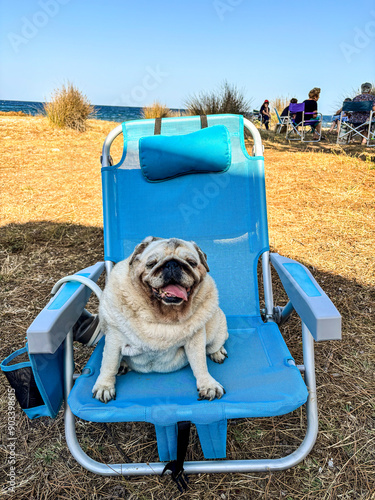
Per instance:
x=68, y=108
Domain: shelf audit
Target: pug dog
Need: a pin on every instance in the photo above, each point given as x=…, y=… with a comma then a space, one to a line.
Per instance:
x=159, y=312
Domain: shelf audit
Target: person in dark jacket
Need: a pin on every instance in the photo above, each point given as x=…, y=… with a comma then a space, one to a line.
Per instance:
x=265, y=113
x=286, y=110
x=311, y=112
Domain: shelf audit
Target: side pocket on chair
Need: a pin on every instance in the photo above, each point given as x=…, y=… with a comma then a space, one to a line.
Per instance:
x=21, y=378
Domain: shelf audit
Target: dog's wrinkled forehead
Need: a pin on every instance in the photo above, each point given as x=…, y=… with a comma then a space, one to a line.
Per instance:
x=162, y=249
x=173, y=246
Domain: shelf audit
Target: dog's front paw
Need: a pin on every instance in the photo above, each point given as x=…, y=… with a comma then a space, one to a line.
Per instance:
x=209, y=389
x=219, y=356
x=104, y=392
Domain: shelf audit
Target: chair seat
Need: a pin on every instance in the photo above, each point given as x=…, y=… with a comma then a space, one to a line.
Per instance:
x=257, y=378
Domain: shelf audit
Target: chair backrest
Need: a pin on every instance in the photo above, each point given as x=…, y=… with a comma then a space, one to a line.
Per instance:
x=357, y=106
x=297, y=107
x=278, y=116
x=224, y=213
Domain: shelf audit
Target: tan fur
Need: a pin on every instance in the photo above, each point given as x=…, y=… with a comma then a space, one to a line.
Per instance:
x=145, y=334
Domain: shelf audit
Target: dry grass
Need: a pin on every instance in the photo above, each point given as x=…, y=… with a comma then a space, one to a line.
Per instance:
x=321, y=210
x=280, y=103
x=352, y=150
x=156, y=110
x=68, y=108
x=55, y=180
x=13, y=113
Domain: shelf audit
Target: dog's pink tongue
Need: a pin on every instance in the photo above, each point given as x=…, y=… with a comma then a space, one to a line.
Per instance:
x=176, y=291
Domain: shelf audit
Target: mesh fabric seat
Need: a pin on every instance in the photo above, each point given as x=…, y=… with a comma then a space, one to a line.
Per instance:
x=258, y=380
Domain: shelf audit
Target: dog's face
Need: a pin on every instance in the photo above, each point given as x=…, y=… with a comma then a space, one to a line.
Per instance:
x=168, y=271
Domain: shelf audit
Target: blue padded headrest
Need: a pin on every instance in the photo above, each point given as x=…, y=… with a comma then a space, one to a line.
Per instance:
x=164, y=157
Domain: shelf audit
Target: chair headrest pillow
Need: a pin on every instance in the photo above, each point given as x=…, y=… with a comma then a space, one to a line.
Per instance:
x=164, y=157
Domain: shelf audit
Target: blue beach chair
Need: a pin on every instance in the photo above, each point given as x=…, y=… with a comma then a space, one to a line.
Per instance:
x=197, y=182
x=282, y=121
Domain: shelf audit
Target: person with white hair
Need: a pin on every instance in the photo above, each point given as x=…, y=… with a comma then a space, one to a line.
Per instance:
x=361, y=117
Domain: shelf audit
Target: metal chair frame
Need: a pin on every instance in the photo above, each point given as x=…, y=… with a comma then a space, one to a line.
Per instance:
x=364, y=130
x=282, y=121
x=300, y=134
x=206, y=466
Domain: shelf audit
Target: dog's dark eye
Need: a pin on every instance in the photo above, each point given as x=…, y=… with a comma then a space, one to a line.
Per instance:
x=151, y=264
x=192, y=263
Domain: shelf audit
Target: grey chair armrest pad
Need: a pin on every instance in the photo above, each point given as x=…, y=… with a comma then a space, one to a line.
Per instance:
x=309, y=300
x=50, y=327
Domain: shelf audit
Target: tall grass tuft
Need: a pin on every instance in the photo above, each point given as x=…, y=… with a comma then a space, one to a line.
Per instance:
x=228, y=99
x=68, y=108
x=156, y=110
x=280, y=103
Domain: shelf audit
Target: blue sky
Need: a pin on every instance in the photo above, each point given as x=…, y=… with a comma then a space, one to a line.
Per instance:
x=129, y=53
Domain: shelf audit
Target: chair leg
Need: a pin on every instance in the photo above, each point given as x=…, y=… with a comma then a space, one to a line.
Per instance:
x=71, y=437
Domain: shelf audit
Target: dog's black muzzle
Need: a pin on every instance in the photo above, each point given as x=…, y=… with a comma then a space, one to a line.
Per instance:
x=172, y=272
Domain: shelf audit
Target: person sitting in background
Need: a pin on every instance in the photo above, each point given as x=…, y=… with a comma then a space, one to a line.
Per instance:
x=311, y=113
x=361, y=117
x=286, y=110
x=265, y=113
x=336, y=118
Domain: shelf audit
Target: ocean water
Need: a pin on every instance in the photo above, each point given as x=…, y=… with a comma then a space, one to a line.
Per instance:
x=111, y=113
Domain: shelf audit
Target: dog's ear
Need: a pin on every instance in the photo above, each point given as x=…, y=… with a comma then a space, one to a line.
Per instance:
x=202, y=256
x=141, y=246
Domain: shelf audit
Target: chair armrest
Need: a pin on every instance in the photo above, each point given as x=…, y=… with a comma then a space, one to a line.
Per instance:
x=51, y=326
x=309, y=300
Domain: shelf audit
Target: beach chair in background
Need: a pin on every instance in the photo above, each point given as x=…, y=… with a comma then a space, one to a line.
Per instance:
x=297, y=131
x=254, y=116
x=349, y=132
x=211, y=190
x=282, y=121
x=371, y=137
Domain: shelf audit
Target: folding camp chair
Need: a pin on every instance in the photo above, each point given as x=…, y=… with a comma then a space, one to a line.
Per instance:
x=282, y=121
x=350, y=131
x=207, y=188
x=371, y=136
x=297, y=131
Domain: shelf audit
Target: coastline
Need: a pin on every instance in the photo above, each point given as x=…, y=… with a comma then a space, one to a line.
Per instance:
x=101, y=112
